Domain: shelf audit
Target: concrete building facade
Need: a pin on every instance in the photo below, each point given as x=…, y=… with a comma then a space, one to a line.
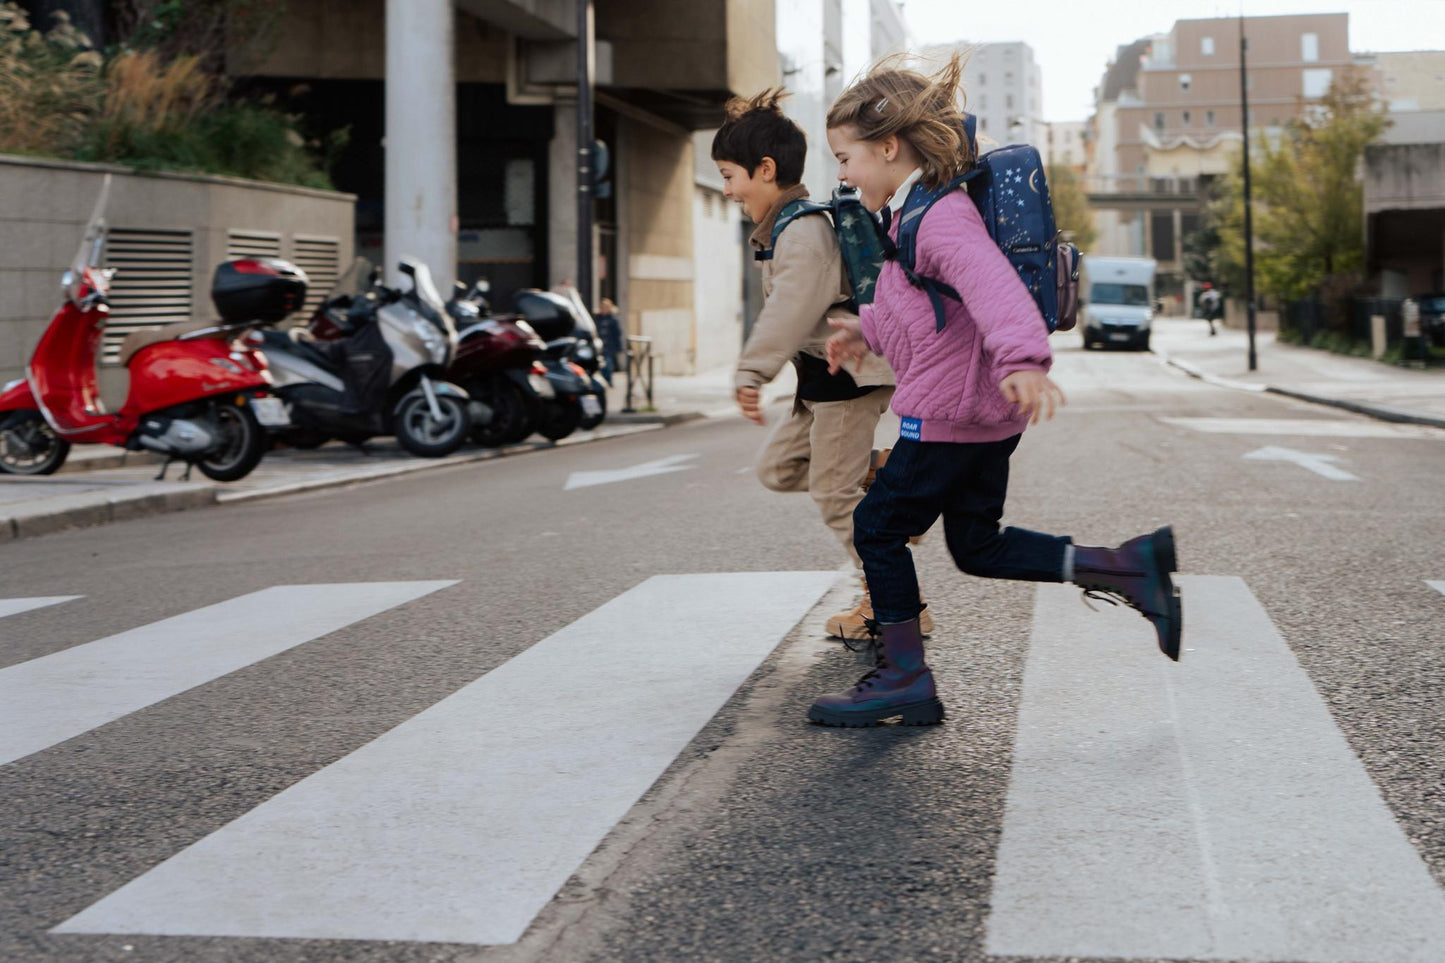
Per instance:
x=1065, y=143
x=463, y=135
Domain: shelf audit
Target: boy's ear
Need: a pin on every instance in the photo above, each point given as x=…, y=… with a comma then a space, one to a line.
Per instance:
x=767, y=170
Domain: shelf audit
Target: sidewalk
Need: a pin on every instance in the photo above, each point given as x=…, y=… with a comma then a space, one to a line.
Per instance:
x=1361, y=385
x=708, y=394
x=100, y=484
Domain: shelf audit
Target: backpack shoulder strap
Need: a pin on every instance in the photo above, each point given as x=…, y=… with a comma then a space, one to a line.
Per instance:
x=920, y=199
x=790, y=213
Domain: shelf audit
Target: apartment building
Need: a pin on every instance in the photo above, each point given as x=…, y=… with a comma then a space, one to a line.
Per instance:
x=1065, y=143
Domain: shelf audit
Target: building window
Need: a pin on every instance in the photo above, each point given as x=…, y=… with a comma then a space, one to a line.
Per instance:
x=1008, y=101
x=983, y=124
x=983, y=80
x=1206, y=46
x=1317, y=82
x=1159, y=121
x=1186, y=118
x=1184, y=81
x=983, y=101
x=1309, y=47
x=1209, y=118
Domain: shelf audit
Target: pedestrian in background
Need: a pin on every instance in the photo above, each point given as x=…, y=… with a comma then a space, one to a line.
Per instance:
x=824, y=445
x=609, y=329
x=1210, y=301
x=965, y=394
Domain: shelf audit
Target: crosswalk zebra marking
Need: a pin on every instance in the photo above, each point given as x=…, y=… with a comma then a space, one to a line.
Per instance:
x=1205, y=810
x=16, y=606
x=1436, y=584
x=461, y=824
x=56, y=697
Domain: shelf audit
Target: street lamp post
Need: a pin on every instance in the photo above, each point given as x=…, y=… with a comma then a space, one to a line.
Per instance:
x=585, y=77
x=1248, y=205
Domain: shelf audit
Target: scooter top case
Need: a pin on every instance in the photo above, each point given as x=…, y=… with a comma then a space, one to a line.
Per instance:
x=551, y=315
x=257, y=289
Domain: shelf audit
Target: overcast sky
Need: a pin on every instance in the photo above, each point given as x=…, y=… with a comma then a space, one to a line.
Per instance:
x=1074, y=39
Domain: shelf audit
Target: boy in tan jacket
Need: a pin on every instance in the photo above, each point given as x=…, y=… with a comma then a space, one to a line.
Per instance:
x=823, y=446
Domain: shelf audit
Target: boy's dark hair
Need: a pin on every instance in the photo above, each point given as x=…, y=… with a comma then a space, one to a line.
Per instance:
x=755, y=128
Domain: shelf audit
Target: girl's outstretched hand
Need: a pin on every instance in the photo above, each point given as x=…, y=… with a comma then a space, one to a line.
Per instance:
x=1032, y=391
x=846, y=344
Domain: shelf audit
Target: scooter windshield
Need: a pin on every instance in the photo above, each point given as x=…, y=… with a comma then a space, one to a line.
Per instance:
x=353, y=282
x=87, y=256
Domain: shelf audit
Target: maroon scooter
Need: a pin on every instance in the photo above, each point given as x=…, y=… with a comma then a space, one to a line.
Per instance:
x=499, y=363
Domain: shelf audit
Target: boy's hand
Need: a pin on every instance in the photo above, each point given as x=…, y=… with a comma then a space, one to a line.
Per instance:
x=846, y=344
x=1034, y=393
x=750, y=401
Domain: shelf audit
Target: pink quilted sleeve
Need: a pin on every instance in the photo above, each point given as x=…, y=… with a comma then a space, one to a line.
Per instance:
x=865, y=322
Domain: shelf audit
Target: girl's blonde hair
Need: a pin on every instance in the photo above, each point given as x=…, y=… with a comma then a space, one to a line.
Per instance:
x=924, y=110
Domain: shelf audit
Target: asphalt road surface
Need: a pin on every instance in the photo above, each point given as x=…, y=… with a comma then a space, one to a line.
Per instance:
x=552, y=708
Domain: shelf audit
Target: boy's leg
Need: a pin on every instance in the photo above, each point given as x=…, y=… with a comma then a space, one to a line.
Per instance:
x=971, y=512
x=783, y=462
x=841, y=440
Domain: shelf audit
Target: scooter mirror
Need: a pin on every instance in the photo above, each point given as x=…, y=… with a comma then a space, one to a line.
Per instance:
x=459, y=290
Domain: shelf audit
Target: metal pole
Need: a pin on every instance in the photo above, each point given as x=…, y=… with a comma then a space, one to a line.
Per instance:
x=1248, y=204
x=585, y=74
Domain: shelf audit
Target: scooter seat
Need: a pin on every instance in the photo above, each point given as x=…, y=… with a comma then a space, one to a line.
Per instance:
x=144, y=338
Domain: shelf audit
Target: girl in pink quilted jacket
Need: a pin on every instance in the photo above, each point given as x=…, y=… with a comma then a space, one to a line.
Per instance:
x=965, y=394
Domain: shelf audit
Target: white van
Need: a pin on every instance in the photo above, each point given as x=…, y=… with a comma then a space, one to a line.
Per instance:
x=1116, y=297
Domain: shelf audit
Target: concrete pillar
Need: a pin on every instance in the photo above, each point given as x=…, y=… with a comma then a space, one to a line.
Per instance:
x=421, y=138
x=562, y=195
x=1179, y=238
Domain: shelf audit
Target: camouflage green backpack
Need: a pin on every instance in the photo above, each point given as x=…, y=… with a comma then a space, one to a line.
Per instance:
x=860, y=238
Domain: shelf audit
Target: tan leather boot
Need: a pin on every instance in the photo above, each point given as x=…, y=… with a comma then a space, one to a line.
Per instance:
x=853, y=624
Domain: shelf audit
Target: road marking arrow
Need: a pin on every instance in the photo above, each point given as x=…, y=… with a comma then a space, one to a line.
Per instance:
x=586, y=479
x=1319, y=464
x=1436, y=584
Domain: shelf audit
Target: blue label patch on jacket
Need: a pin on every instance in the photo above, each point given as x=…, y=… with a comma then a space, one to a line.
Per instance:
x=911, y=428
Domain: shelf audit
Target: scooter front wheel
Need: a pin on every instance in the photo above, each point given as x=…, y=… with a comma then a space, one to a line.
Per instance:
x=420, y=433
x=242, y=444
x=29, y=446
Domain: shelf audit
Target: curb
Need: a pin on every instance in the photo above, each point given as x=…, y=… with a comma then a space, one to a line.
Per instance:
x=81, y=511
x=651, y=418
x=67, y=512
x=1379, y=412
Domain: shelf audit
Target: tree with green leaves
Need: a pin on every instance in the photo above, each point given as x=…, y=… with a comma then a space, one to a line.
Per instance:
x=1072, y=213
x=1308, y=200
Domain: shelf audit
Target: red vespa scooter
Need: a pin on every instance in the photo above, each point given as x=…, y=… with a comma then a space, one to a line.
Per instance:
x=196, y=394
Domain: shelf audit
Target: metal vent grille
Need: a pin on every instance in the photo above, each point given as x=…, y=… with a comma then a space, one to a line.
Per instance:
x=320, y=258
x=152, y=284
x=252, y=244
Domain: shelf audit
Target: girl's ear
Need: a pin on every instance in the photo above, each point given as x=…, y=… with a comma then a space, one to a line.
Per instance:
x=889, y=147
x=768, y=170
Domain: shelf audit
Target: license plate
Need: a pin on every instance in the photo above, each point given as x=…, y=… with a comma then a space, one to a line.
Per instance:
x=1121, y=337
x=270, y=412
x=591, y=406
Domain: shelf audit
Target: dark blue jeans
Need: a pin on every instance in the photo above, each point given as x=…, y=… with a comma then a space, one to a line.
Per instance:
x=966, y=484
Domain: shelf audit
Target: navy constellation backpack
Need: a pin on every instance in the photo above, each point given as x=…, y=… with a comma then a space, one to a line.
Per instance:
x=1008, y=187
x=861, y=240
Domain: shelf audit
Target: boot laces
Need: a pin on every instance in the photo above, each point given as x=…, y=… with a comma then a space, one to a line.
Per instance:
x=1101, y=595
x=872, y=644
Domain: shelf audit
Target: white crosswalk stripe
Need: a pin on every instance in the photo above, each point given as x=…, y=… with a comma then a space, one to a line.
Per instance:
x=54, y=698
x=1205, y=810
x=16, y=606
x=1209, y=809
x=460, y=824
x=1436, y=584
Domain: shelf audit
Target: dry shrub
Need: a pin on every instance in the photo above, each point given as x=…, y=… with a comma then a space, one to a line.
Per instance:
x=49, y=84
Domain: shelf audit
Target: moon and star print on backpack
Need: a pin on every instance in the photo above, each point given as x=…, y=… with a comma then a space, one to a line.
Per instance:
x=1011, y=193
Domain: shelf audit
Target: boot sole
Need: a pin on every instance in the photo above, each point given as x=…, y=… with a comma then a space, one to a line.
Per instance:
x=1164, y=552
x=929, y=712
